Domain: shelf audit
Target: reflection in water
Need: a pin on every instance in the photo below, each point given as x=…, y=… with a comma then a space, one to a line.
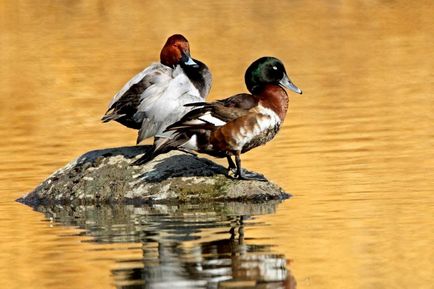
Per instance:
x=183, y=246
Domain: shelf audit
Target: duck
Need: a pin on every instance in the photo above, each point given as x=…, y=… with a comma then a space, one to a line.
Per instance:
x=230, y=127
x=155, y=97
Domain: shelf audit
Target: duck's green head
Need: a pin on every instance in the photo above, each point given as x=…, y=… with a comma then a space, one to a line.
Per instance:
x=267, y=70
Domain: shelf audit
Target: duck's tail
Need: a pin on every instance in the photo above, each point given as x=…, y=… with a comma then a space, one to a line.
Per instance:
x=195, y=104
x=109, y=117
x=147, y=157
x=162, y=145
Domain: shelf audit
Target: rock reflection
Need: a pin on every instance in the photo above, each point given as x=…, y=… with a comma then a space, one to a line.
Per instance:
x=183, y=246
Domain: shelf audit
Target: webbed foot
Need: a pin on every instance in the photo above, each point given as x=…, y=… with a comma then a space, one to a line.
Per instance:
x=251, y=176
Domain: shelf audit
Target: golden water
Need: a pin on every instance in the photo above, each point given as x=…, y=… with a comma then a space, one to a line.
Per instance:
x=356, y=149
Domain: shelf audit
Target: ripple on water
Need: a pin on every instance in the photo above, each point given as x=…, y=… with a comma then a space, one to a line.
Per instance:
x=186, y=246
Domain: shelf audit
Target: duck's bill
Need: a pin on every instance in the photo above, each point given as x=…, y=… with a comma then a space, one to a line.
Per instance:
x=186, y=58
x=285, y=82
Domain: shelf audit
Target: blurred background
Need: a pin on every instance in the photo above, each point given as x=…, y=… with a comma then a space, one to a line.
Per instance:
x=355, y=150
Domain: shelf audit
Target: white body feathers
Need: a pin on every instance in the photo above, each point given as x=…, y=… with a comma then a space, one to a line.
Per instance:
x=162, y=102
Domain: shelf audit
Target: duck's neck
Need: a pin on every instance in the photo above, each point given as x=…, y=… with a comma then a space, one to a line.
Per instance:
x=275, y=98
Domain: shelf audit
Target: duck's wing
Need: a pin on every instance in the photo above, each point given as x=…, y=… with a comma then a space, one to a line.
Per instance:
x=157, y=120
x=242, y=100
x=125, y=103
x=164, y=106
x=215, y=114
x=196, y=125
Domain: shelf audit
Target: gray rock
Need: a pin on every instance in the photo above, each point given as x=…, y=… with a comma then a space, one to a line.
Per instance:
x=107, y=176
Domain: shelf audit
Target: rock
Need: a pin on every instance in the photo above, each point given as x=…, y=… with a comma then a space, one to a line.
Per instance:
x=107, y=176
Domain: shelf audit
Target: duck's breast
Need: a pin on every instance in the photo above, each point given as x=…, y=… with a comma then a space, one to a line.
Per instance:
x=256, y=128
x=263, y=127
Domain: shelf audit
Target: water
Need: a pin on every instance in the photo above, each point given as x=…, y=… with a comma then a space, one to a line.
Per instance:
x=172, y=251
x=355, y=149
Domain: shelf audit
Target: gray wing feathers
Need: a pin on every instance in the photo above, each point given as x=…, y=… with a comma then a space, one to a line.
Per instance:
x=151, y=72
x=164, y=104
x=153, y=126
x=162, y=100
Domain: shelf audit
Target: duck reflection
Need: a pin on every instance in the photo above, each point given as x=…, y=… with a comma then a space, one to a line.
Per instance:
x=184, y=246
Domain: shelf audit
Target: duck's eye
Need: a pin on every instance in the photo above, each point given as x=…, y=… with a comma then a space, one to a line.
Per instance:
x=275, y=67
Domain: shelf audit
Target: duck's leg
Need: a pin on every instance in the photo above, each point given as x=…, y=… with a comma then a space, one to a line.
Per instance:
x=243, y=175
x=232, y=167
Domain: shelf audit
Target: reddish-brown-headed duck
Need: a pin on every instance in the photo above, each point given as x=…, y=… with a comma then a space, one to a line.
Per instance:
x=237, y=124
x=155, y=97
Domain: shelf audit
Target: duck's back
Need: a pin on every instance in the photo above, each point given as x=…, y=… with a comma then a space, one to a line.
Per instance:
x=155, y=98
x=123, y=108
x=164, y=106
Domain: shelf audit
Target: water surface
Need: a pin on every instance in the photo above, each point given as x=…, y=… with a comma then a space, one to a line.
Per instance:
x=356, y=149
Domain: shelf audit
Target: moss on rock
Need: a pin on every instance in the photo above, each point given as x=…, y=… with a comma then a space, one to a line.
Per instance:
x=107, y=176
